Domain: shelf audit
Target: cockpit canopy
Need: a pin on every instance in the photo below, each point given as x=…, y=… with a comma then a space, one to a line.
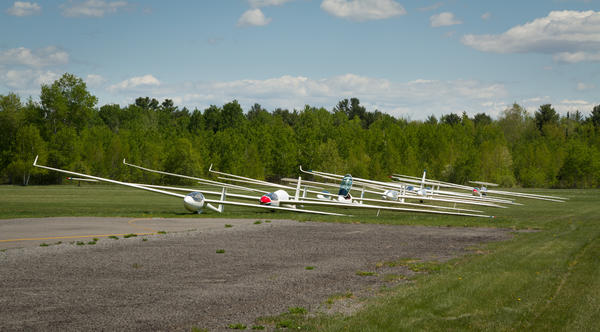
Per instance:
x=194, y=201
x=345, y=185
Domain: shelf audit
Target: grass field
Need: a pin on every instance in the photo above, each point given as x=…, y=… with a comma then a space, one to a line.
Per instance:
x=547, y=279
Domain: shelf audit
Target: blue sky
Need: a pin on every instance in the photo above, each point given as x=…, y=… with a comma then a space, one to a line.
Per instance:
x=406, y=58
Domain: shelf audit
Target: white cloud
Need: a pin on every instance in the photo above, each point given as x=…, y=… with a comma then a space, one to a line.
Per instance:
x=574, y=57
x=92, y=8
x=432, y=7
x=583, y=86
x=27, y=81
x=415, y=99
x=265, y=3
x=567, y=105
x=253, y=17
x=135, y=83
x=443, y=19
x=23, y=8
x=48, y=56
x=570, y=36
x=486, y=16
x=94, y=80
x=363, y=10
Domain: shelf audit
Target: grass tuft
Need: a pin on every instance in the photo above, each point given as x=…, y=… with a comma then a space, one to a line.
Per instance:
x=309, y=268
x=129, y=235
x=161, y=232
x=238, y=326
x=258, y=222
x=297, y=311
x=258, y=327
x=43, y=244
x=365, y=273
x=114, y=237
x=228, y=225
x=197, y=329
x=220, y=251
x=330, y=300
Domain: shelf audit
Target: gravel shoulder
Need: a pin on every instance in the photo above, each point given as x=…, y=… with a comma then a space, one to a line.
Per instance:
x=178, y=280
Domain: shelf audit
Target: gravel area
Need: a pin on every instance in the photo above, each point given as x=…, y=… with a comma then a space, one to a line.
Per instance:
x=179, y=280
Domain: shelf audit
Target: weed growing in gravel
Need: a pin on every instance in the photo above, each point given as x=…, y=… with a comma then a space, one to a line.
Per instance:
x=228, y=225
x=258, y=327
x=161, y=232
x=258, y=222
x=365, y=273
x=129, y=235
x=113, y=237
x=414, y=265
x=339, y=296
x=220, y=251
x=267, y=221
x=238, y=326
x=91, y=243
x=393, y=277
x=297, y=311
x=286, y=323
x=309, y=268
x=144, y=239
x=197, y=329
x=80, y=243
x=136, y=265
x=59, y=242
x=43, y=244
x=95, y=239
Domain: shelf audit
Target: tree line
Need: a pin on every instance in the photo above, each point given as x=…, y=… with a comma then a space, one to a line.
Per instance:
x=67, y=129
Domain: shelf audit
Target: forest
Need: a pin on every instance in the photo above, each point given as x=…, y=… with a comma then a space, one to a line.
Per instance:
x=68, y=129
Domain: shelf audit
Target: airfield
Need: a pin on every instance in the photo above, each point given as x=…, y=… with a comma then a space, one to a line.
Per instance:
x=177, y=280
x=534, y=267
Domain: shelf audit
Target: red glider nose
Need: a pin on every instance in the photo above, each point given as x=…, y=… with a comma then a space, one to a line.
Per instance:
x=265, y=200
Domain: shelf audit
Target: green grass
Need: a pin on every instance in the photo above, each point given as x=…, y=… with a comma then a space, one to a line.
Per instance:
x=544, y=280
x=238, y=326
x=309, y=268
x=220, y=251
x=336, y=297
x=537, y=281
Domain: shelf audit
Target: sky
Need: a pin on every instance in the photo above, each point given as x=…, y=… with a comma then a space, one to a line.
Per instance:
x=410, y=59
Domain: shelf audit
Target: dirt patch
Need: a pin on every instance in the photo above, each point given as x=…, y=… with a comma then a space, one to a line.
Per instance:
x=176, y=281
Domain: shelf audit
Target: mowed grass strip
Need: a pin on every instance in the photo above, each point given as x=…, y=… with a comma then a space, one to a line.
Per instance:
x=537, y=281
x=548, y=279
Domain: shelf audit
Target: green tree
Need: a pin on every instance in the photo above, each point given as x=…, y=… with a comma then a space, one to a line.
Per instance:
x=544, y=116
x=28, y=144
x=68, y=103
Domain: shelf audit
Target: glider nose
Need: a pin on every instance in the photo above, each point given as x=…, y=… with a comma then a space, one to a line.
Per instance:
x=265, y=200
